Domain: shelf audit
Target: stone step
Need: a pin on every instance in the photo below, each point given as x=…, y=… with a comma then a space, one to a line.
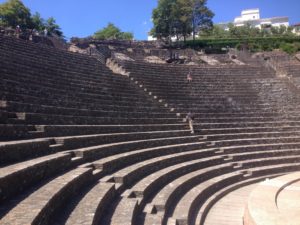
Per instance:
x=92, y=207
x=17, y=151
x=50, y=198
x=16, y=178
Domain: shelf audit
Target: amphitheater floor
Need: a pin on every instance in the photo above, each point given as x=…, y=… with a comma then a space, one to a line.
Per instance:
x=222, y=211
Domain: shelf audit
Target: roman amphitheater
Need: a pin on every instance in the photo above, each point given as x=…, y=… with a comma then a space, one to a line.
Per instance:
x=99, y=136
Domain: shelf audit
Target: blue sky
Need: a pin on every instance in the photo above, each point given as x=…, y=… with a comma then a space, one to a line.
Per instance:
x=83, y=17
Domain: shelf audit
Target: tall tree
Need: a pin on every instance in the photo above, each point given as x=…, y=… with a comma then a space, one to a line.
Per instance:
x=201, y=16
x=52, y=27
x=13, y=13
x=38, y=22
x=180, y=17
x=112, y=32
x=164, y=18
x=183, y=14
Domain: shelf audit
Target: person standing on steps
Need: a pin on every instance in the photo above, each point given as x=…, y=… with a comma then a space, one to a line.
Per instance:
x=190, y=118
x=18, y=31
x=45, y=32
x=189, y=77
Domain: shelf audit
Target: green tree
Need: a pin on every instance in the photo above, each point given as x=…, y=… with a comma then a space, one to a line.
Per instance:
x=182, y=13
x=38, y=22
x=112, y=32
x=125, y=36
x=180, y=18
x=216, y=32
x=13, y=13
x=201, y=16
x=164, y=18
x=52, y=27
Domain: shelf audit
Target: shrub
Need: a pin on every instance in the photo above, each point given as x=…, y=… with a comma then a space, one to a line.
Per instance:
x=289, y=48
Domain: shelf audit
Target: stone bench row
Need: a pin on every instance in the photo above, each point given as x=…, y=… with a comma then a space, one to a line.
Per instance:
x=29, y=51
x=21, y=150
x=39, y=207
x=44, y=119
x=211, y=129
x=186, y=208
x=33, y=170
x=186, y=69
x=208, y=206
x=44, y=109
x=181, y=78
x=17, y=131
x=203, y=129
x=16, y=151
x=15, y=58
x=63, y=74
x=166, y=196
x=131, y=174
x=229, y=86
x=47, y=119
x=87, y=90
x=90, y=197
x=69, y=130
x=13, y=106
x=41, y=48
x=116, y=166
x=243, y=73
x=98, y=90
x=70, y=103
x=53, y=96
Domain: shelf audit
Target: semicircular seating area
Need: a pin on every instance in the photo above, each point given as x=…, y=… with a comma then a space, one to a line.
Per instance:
x=81, y=145
x=274, y=201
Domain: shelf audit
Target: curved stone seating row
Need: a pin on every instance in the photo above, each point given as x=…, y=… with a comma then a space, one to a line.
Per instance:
x=147, y=185
x=31, y=172
x=41, y=204
x=212, y=205
x=88, y=86
x=45, y=119
x=70, y=103
x=32, y=49
x=21, y=150
x=92, y=207
x=185, y=210
x=125, y=169
x=46, y=109
x=274, y=201
x=212, y=69
x=34, y=169
x=87, y=152
x=57, y=96
x=186, y=215
x=17, y=151
x=71, y=130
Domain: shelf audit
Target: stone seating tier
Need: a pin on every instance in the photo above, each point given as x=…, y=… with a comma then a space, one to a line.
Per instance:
x=95, y=147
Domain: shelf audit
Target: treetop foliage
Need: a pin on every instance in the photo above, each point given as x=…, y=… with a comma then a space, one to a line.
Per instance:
x=111, y=32
x=14, y=13
x=180, y=18
x=247, y=31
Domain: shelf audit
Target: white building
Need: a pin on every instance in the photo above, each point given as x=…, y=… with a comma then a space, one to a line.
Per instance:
x=296, y=29
x=252, y=17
